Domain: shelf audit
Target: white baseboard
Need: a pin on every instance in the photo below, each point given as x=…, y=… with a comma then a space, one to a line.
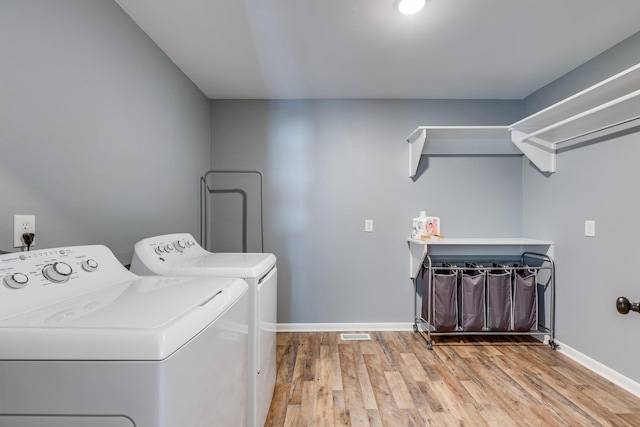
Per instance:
x=600, y=369
x=343, y=327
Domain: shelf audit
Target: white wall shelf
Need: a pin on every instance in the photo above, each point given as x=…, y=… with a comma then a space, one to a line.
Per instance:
x=418, y=249
x=458, y=140
x=594, y=114
x=603, y=109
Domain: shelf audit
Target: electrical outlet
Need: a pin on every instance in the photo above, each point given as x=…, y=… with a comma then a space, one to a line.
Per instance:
x=22, y=224
x=368, y=225
x=590, y=228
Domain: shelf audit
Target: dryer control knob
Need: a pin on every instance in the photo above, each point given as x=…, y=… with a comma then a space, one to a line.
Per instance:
x=179, y=245
x=58, y=272
x=16, y=280
x=89, y=265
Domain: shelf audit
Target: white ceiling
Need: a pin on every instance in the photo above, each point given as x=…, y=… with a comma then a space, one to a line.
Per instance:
x=298, y=49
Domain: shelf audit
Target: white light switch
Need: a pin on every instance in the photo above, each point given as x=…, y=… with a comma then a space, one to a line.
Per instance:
x=368, y=225
x=590, y=228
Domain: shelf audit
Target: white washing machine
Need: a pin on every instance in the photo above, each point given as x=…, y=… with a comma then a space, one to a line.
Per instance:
x=85, y=342
x=180, y=255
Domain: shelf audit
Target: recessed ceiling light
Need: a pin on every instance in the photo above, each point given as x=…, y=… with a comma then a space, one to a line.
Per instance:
x=410, y=6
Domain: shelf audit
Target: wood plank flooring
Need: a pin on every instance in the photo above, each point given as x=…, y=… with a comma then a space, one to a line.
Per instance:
x=393, y=381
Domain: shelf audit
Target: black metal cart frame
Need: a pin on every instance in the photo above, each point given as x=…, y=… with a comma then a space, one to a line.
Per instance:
x=426, y=326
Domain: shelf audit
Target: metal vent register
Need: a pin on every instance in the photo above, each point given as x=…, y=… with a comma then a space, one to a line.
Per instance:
x=355, y=337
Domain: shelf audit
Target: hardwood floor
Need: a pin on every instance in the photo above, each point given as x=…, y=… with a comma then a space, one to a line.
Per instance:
x=393, y=380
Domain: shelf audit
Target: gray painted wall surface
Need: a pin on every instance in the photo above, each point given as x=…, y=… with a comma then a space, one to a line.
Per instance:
x=329, y=165
x=597, y=182
x=102, y=137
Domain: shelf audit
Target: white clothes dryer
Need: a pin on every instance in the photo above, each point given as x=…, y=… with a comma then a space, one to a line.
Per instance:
x=85, y=342
x=180, y=255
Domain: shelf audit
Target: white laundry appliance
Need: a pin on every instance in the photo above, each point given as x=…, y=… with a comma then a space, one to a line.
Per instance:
x=85, y=342
x=180, y=255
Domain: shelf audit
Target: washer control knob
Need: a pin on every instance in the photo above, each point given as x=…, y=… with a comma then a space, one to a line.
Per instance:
x=16, y=280
x=159, y=250
x=89, y=265
x=168, y=247
x=58, y=272
x=179, y=245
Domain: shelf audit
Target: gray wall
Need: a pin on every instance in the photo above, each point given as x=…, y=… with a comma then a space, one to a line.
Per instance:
x=597, y=182
x=102, y=137
x=331, y=164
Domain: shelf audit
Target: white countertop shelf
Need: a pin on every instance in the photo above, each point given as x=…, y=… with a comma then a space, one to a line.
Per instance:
x=418, y=249
x=494, y=241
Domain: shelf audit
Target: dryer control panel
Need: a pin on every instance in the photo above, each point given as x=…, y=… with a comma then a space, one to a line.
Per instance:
x=157, y=255
x=178, y=245
x=180, y=255
x=35, y=278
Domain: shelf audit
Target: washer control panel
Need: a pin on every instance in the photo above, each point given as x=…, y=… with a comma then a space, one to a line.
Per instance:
x=42, y=266
x=35, y=278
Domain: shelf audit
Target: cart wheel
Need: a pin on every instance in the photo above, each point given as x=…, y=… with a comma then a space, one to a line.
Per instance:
x=429, y=345
x=553, y=345
x=415, y=327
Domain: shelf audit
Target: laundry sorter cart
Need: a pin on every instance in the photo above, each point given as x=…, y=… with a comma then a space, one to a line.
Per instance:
x=485, y=296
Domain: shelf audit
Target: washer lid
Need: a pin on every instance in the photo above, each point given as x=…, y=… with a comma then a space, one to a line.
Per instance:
x=244, y=265
x=144, y=319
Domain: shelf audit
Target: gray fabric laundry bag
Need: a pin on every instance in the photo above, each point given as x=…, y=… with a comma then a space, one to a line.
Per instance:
x=444, y=296
x=472, y=300
x=525, y=300
x=499, y=300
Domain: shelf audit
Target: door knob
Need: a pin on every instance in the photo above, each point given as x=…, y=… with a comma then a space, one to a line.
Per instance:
x=624, y=306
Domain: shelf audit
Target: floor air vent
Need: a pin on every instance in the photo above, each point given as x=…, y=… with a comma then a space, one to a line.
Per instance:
x=355, y=337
